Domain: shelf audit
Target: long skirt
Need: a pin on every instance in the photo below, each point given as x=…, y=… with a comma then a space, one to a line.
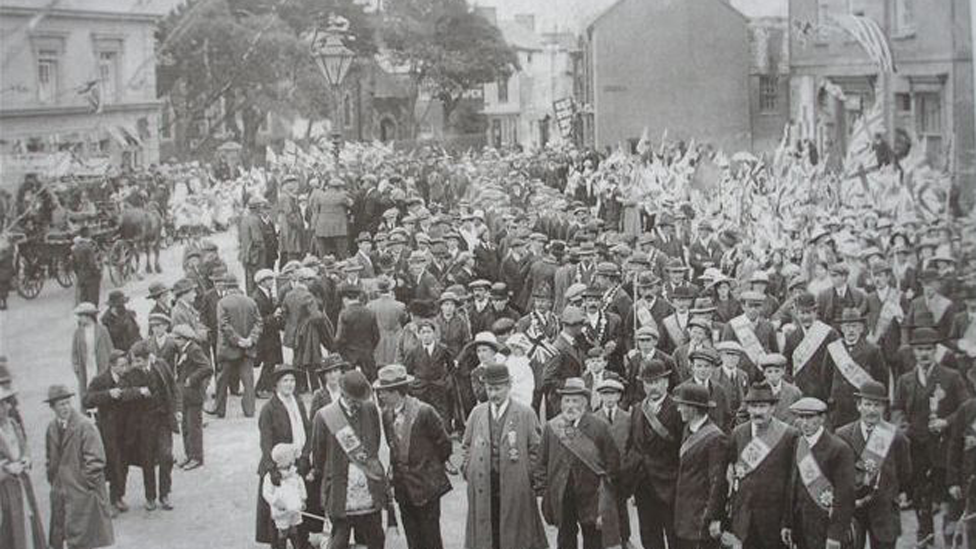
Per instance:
x=20, y=527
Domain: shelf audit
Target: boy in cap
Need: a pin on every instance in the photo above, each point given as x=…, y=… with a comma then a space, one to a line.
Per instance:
x=823, y=490
x=883, y=469
x=701, y=485
x=596, y=372
x=773, y=370
x=578, y=466
x=192, y=370
x=926, y=398
x=761, y=461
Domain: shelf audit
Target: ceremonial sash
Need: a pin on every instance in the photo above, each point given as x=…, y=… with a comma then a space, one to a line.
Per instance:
x=350, y=442
x=759, y=449
x=938, y=305
x=707, y=429
x=644, y=314
x=876, y=449
x=654, y=422
x=817, y=485
x=808, y=347
x=674, y=331
x=582, y=446
x=747, y=337
x=889, y=311
x=851, y=370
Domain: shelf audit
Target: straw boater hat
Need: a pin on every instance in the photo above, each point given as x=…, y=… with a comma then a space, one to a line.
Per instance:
x=392, y=376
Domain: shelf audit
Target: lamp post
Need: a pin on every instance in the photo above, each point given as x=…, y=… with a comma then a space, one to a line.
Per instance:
x=334, y=60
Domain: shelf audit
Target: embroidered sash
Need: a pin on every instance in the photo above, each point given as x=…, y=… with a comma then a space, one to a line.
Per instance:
x=695, y=438
x=674, y=331
x=584, y=448
x=654, y=422
x=818, y=486
x=889, y=311
x=643, y=314
x=812, y=339
x=851, y=370
x=876, y=450
x=747, y=337
x=759, y=448
x=351, y=444
x=938, y=305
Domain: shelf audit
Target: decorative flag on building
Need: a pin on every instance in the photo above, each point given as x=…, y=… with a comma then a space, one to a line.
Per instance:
x=89, y=90
x=870, y=37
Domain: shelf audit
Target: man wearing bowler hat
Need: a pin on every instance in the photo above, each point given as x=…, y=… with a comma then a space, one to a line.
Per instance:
x=883, y=469
x=80, y=515
x=926, y=397
x=579, y=466
x=645, y=349
x=851, y=362
x=161, y=297
x=655, y=438
x=346, y=436
x=701, y=486
x=501, y=449
x=761, y=459
x=805, y=348
x=823, y=482
x=704, y=362
x=357, y=333
x=419, y=448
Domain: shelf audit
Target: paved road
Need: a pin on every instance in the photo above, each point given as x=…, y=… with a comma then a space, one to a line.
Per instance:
x=214, y=505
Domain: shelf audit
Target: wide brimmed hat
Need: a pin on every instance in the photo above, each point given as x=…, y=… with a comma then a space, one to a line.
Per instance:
x=157, y=289
x=653, y=369
x=392, y=376
x=281, y=370
x=872, y=390
x=573, y=386
x=693, y=394
x=486, y=338
x=760, y=392
x=58, y=392
x=702, y=305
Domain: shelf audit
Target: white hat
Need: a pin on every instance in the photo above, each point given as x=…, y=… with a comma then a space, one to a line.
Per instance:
x=262, y=275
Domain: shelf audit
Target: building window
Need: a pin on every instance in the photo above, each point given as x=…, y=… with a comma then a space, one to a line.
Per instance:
x=47, y=76
x=503, y=89
x=904, y=16
x=928, y=110
x=108, y=76
x=768, y=93
x=166, y=120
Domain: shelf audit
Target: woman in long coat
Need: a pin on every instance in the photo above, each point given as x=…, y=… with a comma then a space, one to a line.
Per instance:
x=20, y=519
x=290, y=222
x=519, y=521
x=76, y=471
x=275, y=425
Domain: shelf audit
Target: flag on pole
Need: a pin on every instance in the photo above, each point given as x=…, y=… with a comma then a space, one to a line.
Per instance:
x=870, y=37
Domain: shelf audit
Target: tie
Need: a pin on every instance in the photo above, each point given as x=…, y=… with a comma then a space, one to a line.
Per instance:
x=869, y=429
x=610, y=415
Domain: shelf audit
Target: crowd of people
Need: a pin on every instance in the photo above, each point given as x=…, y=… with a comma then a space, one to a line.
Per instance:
x=601, y=332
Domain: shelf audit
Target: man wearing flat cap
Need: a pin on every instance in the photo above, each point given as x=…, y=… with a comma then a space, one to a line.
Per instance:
x=926, y=397
x=761, y=460
x=701, y=486
x=192, y=372
x=602, y=328
x=252, y=252
x=704, y=362
x=883, y=469
x=823, y=482
x=91, y=346
x=502, y=459
x=579, y=467
x=569, y=360
x=841, y=295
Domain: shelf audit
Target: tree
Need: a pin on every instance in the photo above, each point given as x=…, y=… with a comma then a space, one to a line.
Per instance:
x=251, y=55
x=448, y=49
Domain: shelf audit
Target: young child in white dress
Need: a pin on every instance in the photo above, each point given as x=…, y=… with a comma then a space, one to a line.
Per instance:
x=286, y=497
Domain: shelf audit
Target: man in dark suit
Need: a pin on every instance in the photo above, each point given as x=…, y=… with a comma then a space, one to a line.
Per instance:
x=886, y=307
x=250, y=236
x=926, y=398
x=192, y=371
x=646, y=339
x=358, y=333
x=419, y=447
x=650, y=308
x=932, y=300
x=806, y=348
x=851, y=361
x=961, y=459
x=120, y=322
x=705, y=251
x=87, y=269
x=655, y=437
x=822, y=497
x=883, y=469
x=109, y=396
x=421, y=284
x=239, y=325
x=755, y=333
x=567, y=362
x=430, y=364
x=761, y=456
x=602, y=328
x=701, y=485
x=268, y=349
x=704, y=362
x=962, y=334
x=842, y=295
x=579, y=464
x=610, y=391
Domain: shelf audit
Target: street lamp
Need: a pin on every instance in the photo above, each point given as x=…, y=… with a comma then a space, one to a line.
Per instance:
x=334, y=60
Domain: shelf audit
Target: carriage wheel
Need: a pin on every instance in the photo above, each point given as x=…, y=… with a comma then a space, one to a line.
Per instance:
x=120, y=262
x=63, y=273
x=30, y=277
